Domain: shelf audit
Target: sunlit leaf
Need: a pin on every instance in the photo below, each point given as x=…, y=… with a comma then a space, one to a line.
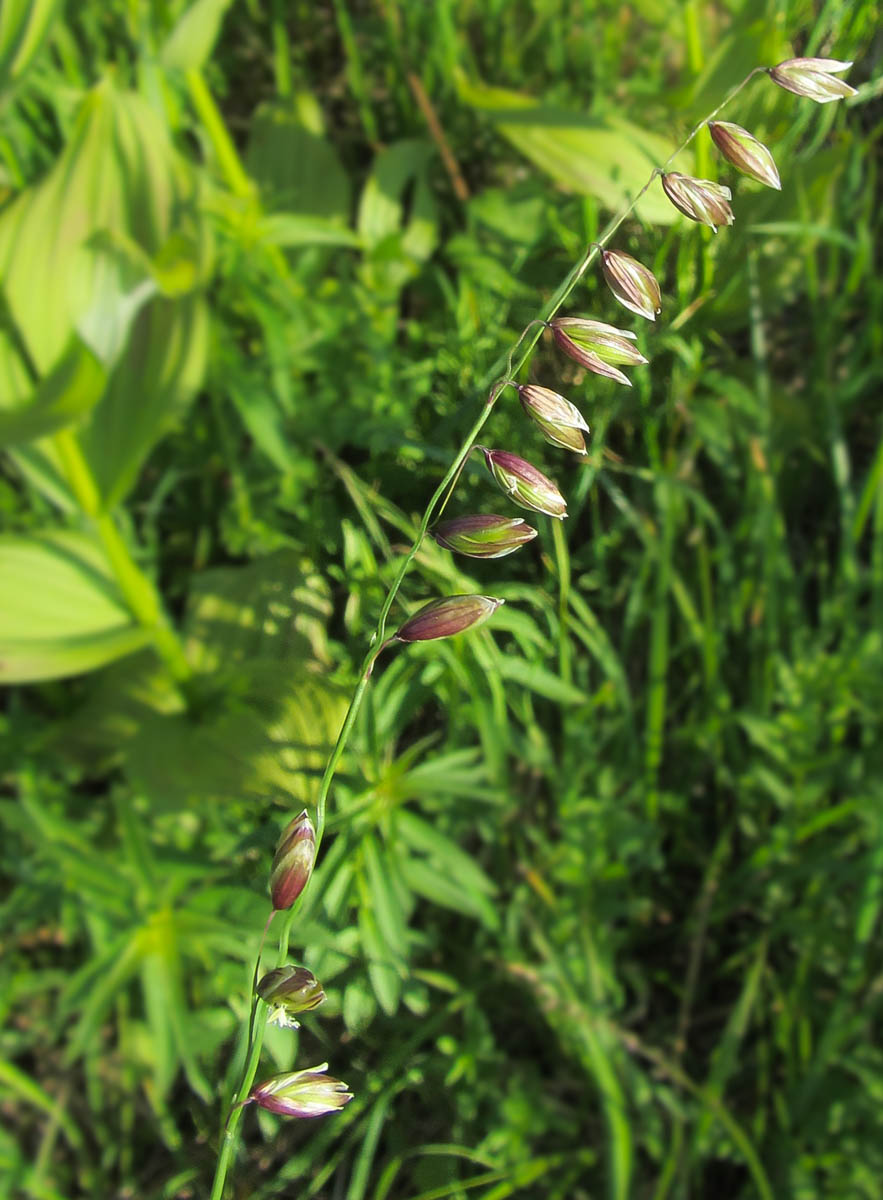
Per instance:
x=117, y=183
x=190, y=42
x=60, y=610
x=65, y=395
x=608, y=158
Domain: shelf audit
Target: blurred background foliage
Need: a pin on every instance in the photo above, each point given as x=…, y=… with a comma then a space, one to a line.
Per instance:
x=598, y=913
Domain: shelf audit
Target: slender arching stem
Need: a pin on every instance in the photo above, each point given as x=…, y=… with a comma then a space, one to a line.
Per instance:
x=502, y=374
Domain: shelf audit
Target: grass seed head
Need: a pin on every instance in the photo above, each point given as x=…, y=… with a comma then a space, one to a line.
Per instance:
x=308, y=1093
x=813, y=77
x=484, y=535
x=290, y=990
x=524, y=484
x=745, y=152
x=293, y=862
x=447, y=617
x=560, y=422
x=633, y=285
x=699, y=199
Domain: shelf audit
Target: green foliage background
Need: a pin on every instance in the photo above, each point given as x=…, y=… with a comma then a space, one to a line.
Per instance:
x=598, y=910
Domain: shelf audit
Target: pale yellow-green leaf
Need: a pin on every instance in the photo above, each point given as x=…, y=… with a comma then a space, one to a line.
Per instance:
x=609, y=158
x=83, y=251
x=67, y=393
x=60, y=610
x=39, y=463
x=123, y=283
x=381, y=206
x=117, y=173
x=148, y=391
x=190, y=42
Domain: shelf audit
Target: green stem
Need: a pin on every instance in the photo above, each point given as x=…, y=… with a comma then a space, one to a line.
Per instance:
x=562, y=560
x=281, y=50
x=252, y=1059
x=505, y=369
x=228, y=1142
x=503, y=372
x=222, y=144
x=138, y=591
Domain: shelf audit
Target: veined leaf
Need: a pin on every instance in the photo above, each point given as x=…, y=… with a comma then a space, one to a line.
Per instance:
x=117, y=173
x=118, y=182
x=297, y=169
x=66, y=394
x=608, y=158
x=60, y=610
x=150, y=388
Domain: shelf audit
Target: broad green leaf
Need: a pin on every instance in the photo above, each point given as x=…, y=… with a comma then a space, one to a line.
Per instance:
x=297, y=169
x=268, y=717
x=276, y=606
x=149, y=390
x=608, y=158
x=66, y=394
x=118, y=182
x=381, y=207
x=40, y=465
x=125, y=278
x=24, y=26
x=190, y=42
x=224, y=754
x=16, y=381
x=118, y=173
x=60, y=610
x=121, y=272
